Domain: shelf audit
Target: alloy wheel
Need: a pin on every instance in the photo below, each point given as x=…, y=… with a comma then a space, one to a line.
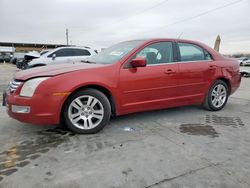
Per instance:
x=85, y=112
x=219, y=95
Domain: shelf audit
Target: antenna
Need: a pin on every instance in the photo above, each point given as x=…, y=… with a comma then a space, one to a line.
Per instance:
x=67, y=36
x=180, y=35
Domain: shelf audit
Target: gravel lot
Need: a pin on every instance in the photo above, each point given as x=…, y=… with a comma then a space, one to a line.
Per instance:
x=178, y=147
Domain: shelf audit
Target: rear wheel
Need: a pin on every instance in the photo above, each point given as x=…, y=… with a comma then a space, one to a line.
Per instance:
x=87, y=111
x=217, y=96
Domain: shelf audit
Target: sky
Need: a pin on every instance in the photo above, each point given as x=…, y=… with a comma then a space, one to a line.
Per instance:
x=102, y=23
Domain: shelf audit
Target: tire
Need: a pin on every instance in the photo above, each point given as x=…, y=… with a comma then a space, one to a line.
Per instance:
x=87, y=111
x=217, y=96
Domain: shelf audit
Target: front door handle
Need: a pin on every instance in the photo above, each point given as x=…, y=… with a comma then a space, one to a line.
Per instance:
x=169, y=71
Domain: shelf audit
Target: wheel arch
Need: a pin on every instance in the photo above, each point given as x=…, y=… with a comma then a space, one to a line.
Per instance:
x=206, y=104
x=224, y=79
x=102, y=89
x=227, y=81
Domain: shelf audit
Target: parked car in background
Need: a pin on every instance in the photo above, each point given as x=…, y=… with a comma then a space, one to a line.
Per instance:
x=241, y=59
x=62, y=55
x=245, y=62
x=129, y=77
x=17, y=56
x=14, y=60
x=22, y=63
x=5, y=57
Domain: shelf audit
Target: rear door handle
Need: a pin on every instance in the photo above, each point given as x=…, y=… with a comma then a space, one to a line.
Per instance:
x=169, y=71
x=212, y=67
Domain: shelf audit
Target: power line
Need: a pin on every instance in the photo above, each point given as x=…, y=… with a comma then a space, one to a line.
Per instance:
x=128, y=17
x=200, y=14
x=179, y=21
x=145, y=10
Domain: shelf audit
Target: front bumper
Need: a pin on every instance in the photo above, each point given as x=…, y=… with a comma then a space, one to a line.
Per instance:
x=40, y=110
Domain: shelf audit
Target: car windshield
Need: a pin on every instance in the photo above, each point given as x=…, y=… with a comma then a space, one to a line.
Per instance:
x=43, y=52
x=114, y=53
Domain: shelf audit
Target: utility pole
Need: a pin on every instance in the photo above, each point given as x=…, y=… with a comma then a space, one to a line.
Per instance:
x=67, y=36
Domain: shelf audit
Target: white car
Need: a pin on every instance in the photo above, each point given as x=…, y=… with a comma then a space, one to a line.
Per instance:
x=62, y=55
x=245, y=63
x=241, y=59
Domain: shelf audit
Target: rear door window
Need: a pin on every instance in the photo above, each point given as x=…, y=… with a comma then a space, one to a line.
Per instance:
x=81, y=52
x=192, y=52
x=63, y=53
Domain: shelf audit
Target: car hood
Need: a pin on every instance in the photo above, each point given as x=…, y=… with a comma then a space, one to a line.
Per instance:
x=37, y=60
x=54, y=70
x=33, y=54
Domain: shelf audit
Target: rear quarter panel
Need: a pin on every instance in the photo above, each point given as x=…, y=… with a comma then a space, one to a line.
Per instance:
x=229, y=69
x=234, y=73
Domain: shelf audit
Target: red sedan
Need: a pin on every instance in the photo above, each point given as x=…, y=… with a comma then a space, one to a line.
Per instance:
x=132, y=76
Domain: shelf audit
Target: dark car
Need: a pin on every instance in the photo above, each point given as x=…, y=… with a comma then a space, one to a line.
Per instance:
x=5, y=58
x=20, y=63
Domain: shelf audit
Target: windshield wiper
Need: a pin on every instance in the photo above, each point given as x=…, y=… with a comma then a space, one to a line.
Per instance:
x=86, y=61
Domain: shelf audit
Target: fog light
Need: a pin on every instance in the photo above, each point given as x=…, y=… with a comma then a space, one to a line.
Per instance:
x=20, y=109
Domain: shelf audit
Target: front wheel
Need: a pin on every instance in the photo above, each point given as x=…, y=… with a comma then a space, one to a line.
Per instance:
x=87, y=111
x=217, y=96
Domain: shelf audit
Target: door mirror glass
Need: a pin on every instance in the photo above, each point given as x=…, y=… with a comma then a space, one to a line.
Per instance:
x=138, y=62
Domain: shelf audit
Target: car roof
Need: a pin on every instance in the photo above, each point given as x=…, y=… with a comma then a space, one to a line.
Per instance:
x=169, y=39
x=150, y=40
x=69, y=47
x=74, y=47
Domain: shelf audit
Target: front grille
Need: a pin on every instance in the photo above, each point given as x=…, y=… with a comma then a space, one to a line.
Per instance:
x=13, y=85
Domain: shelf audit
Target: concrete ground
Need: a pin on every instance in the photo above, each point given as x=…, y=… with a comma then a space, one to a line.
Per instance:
x=180, y=147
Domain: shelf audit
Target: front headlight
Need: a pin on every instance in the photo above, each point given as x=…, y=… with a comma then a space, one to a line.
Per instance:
x=30, y=86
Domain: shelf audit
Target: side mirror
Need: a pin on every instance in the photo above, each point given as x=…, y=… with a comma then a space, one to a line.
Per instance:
x=138, y=62
x=53, y=56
